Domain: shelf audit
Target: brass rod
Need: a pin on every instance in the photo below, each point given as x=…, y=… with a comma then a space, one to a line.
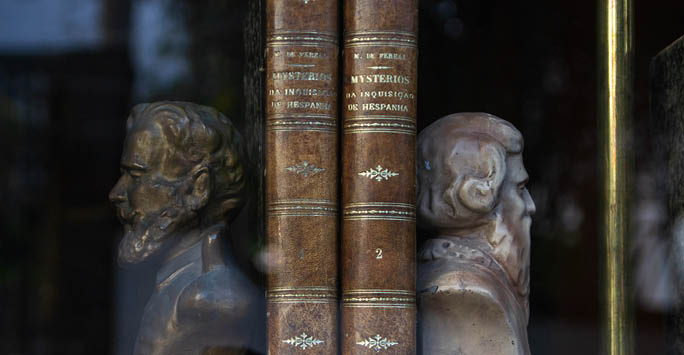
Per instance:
x=615, y=114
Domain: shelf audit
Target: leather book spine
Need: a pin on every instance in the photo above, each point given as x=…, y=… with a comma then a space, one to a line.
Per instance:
x=379, y=177
x=302, y=54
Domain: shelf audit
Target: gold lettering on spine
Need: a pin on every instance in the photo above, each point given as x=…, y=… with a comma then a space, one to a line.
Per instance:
x=284, y=88
x=380, y=78
x=298, y=75
x=368, y=93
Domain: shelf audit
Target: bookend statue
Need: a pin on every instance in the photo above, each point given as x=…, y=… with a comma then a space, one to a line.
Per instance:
x=474, y=274
x=182, y=184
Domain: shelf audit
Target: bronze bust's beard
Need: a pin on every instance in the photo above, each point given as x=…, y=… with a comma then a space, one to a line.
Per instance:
x=147, y=235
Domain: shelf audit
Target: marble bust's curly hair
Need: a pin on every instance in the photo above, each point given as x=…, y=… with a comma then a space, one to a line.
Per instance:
x=461, y=165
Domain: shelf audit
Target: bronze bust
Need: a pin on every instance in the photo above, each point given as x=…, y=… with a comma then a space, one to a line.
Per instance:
x=182, y=184
x=474, y=275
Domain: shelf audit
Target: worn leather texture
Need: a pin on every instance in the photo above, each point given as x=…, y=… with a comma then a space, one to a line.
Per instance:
x=378, y=177
x=302, y=49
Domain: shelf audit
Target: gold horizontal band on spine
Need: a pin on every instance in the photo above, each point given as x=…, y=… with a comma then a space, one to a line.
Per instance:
x=378, y=298
x=379, y=204
x=392, y=40
x=380, y=38
x=301, y=207
x=296, y=125
x=302, y=288
x=302, y=44
x=380, y=44
x=302, y=129
x=300, y=214
x=381, y=33
x=301, y=122
x=302, y=201
x=402, y=38
x=292, y=122
x=278, y=39
x=296, y=37
x=379, y=211
x=303, y=301
x=299, y=65
x=306, y=294
x=368, y=291
x=379, y=127
x=380, y=118
x=378, y=124
x=312, y=33
x=299, y=295
x=294, y=115
x=377, y=305
x=378, y=218
x=378, y=130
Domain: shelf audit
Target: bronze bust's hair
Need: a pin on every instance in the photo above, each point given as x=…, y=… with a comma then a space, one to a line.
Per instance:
x=461, y=165
x=203, y=137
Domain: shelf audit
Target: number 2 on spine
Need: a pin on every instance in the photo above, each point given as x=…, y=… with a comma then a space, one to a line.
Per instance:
x=378, y=253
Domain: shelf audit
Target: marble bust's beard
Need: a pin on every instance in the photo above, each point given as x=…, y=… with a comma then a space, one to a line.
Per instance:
x=147, y=234
x=513, y=257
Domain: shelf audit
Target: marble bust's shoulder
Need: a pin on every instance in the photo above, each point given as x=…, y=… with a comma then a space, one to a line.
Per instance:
x=465, y=294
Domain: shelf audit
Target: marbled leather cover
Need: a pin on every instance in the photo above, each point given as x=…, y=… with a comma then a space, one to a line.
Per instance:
x=302, y=175
x=379, y=176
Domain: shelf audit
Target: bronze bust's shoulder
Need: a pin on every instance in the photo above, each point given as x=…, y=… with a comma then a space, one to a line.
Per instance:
x=182, y=184
x=474, y=275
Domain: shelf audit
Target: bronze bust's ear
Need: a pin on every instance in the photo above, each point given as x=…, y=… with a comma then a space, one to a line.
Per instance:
x=198, y=196
x=182, y=184
x=474, y=274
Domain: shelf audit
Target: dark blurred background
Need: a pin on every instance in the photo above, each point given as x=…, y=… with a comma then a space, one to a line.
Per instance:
x=70, y=70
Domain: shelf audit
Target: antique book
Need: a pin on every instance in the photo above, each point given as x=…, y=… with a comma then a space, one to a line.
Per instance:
x=378, y=176
x=301, y=196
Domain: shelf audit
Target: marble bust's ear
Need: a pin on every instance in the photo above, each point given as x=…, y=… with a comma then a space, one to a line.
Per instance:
x=480, y=193
x=472, y=296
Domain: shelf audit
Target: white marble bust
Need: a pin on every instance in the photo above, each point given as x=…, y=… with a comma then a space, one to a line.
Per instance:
x=474, y=274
